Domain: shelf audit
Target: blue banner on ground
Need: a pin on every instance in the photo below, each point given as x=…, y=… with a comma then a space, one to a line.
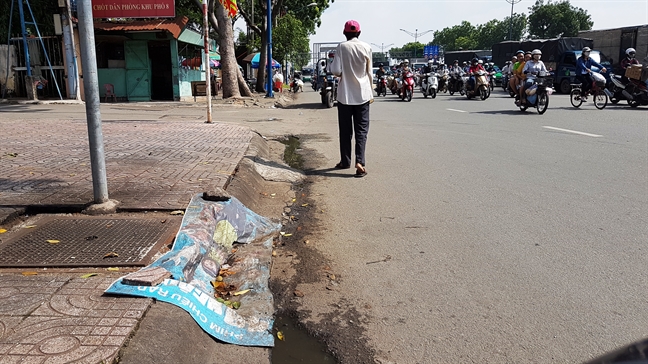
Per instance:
x=202, y=246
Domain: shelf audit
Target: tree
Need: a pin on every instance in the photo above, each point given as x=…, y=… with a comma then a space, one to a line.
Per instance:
x=449, y=38
x=310, y=17
x=411, y=49
x=549, y=19
x=496, y=31
x=234, y=84
x=43, y=10
x=290, y=38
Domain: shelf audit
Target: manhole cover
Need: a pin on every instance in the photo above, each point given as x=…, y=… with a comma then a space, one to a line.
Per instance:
x=82, y=242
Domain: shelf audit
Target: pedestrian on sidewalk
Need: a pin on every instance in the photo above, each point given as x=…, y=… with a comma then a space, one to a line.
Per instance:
x=353, y=64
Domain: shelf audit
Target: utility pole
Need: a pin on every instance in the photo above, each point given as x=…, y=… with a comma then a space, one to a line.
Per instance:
x=269, y=60
x=93, y=113
x=512, y=2
x=416, y=34
x=207, y=61
x=70, y=53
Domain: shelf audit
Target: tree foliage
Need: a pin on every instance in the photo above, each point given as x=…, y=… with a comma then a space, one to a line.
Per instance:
x=290, y=40
x=483, y=36
x=309, y=16
x=43, y=10
x=550, y=19
x=408, y=50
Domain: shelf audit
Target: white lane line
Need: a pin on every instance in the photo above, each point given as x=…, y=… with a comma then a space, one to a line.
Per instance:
x=456, y=110
x=574, y=132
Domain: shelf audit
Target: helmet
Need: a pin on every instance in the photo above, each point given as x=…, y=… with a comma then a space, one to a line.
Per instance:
x=536, y=52
x=587, y=49
x=475, y=60
x=456, y=61
x=519, y=52
x=430, y=61
x=464, y=62
x=514, y=58
x=527, y=52
x=480, y=61
x=631, y=52
x=406, y=61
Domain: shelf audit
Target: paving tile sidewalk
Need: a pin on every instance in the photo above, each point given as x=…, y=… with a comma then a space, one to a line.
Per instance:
x=151, y=165
x=63, y=319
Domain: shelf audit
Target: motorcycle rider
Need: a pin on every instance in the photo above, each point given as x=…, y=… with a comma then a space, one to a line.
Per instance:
x=534, y=67
x=455, y=69
x=629, y=59
x=465, y=66
x=584, y=64
x=515, y=79
x=429, y=68
x=476, y=67
x=379, y=73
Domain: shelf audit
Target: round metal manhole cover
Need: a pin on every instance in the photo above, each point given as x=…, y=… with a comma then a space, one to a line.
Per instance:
x=82, y=242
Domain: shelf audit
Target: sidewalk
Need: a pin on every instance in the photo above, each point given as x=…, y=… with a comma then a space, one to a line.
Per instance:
x=151, y=165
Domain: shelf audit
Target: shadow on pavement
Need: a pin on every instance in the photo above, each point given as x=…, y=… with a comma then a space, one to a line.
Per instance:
x=328, y=172
x=501, y=112
x=312, y=105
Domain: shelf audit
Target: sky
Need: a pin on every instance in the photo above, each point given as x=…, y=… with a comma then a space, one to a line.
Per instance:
x=381, y=20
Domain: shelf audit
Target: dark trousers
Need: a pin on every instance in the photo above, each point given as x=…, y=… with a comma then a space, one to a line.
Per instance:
x=353, y=118
x=586, y=81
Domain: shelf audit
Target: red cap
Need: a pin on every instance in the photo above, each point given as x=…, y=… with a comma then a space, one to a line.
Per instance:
x=351, y=26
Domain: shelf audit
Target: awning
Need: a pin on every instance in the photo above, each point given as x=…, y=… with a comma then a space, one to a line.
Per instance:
x=173, y=26
x=254, y=59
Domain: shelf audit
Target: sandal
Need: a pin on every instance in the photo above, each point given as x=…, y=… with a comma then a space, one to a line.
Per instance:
x=360, y=172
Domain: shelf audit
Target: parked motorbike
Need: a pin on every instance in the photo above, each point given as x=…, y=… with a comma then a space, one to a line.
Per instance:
x=381, y=86
x=481, y=87
x=537, y=95
x=430, y=85
x=407, y=88
x=329, y=91
x=456, y=84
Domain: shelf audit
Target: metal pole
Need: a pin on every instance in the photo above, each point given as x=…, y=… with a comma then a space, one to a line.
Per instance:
x=512, y=2
x=269, y=60
x=70, y=53
x=207, y=62
x=24, y=36
x=93, y=113
x=4, y=90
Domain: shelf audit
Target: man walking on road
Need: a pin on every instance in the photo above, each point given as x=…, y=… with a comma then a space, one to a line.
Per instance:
x=353, y=64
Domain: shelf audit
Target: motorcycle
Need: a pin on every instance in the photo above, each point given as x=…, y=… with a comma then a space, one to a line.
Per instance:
x=429, y=85
x=297, y=84
x=480, y=88
x=443, y=82
x=537, y=95
x=381, y=86
x=407, y=86
x=329, y=91
x=456, y=84
x=634, y=91
x=506, y=85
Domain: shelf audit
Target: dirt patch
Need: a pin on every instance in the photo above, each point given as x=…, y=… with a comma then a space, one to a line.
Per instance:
x=300, y=269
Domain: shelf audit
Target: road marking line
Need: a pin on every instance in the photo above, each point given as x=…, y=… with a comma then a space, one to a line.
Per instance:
x=456, y=110
x=574, y=132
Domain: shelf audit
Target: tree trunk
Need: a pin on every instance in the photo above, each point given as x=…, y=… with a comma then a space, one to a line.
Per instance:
x=243, y=87
x=229, y=67
x=261, y=74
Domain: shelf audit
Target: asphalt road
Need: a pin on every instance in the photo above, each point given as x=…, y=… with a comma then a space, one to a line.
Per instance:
x=511, y=240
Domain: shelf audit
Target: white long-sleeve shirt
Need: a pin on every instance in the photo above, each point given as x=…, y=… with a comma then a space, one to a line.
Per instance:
x=353, y=64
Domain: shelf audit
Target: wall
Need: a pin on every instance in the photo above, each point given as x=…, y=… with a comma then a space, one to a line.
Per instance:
x=185, y=76
x=609, y=41
x=9, y=81
x=115, y=76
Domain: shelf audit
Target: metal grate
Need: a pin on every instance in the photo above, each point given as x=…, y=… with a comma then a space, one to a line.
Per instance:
x=85, y=242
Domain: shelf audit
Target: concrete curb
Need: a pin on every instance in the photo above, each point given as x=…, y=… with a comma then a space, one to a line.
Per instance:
x=167, y=334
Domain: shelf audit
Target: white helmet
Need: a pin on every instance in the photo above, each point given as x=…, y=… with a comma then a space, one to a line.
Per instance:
x=536, y=51
x=587, y=49
x=430, y=62
x=481, y=61
x=406, y=61
x=631, y=52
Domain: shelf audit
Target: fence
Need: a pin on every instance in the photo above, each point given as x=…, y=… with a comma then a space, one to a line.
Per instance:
x=54, y=48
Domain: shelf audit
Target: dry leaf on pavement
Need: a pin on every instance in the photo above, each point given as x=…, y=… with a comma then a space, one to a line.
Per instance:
x=52, y=241
x=89, y=275
x=280, y=335
x=30, y=273
x=111, y=255
x=2, y=231
x=176, y=212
